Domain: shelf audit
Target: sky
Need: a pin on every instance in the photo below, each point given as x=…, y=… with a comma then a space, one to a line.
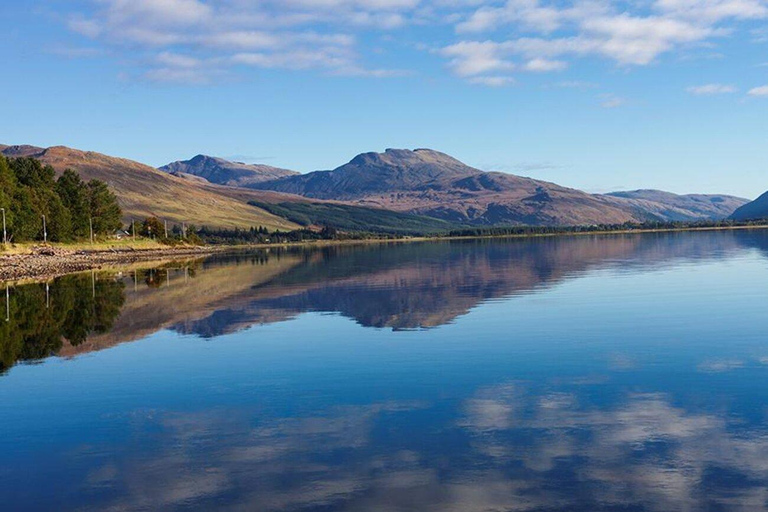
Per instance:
x=593, y=94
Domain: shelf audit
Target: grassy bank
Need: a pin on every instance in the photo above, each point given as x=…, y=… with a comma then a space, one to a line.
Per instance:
x=102, y=245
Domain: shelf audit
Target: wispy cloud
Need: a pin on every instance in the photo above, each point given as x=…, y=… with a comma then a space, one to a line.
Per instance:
x=331, y=36
x=492, y=81
x=193, y=40
x=712, y=89
x=629, y=34
x=612, y=101
x=761, y=91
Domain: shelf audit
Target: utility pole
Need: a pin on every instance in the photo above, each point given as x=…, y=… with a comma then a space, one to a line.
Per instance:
x=166, y=229
x=90, y=220
x=45, y=231
x=5, y=234
x=133, y=223
x=183, y=230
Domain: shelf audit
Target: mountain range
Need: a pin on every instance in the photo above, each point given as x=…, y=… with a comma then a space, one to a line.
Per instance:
x=398, y=190
x=429, y=183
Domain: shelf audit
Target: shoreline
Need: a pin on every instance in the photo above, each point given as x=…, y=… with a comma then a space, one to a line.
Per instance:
x=47, y=262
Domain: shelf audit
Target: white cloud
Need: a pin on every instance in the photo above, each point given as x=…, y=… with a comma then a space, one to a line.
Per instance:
x=177, y=60
x=711, y=89
x=612, y=101
x=630, y=34
x=476, y=58
x=759, y=91
x=545, y=65
x=492, y=81
x=327, y=35
x=576, y=84
x=286, y=34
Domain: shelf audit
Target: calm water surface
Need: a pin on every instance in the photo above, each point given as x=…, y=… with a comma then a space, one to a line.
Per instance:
x=580, y=374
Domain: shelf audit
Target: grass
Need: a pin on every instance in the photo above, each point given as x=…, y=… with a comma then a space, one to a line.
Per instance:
x=99, y=245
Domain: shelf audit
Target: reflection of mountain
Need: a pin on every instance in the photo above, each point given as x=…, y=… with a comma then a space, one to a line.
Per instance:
x=182, y=292
x=397, y=286
x=426, y=285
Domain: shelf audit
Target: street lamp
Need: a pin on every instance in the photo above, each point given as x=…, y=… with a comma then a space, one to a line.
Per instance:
x=5, y=234
x=45, y=231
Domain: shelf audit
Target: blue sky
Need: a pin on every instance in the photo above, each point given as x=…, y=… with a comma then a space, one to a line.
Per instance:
x=593, y=94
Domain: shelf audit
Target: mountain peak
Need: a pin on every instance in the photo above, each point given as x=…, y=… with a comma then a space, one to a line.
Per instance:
x=420, y=159
x=223, y=172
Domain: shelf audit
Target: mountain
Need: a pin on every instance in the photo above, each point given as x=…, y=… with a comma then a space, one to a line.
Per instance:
x=431, y=183
x=398, y=191
x=757, y=209
x=683, y=207
x=223, y=172
x=143, y=191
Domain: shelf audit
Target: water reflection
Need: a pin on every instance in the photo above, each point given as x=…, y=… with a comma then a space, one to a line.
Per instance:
x=578, y=403
x=399, y=286
x=45, y=318
x=512, y=448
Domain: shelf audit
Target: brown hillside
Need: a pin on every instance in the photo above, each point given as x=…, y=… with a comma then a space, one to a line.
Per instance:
x=144, y=191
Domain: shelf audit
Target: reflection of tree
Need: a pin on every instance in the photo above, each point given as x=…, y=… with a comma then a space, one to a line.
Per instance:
x=155, y=278
x=73, y=308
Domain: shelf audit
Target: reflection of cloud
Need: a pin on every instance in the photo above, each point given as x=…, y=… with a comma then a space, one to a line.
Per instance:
x=513, y=448
x=720, y=365
x=485, y=413
x=645, y=452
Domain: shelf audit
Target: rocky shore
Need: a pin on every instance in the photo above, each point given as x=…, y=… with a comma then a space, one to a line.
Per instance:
x=45, y=262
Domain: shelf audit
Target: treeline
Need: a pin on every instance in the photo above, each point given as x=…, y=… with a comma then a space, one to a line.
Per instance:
x=39, y=206
x=601, y=228
x=261, y=235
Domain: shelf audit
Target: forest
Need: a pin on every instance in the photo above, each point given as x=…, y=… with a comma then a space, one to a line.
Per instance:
x=38, y=206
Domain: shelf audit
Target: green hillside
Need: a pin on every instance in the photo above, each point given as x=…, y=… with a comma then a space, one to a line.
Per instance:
x=354, y=218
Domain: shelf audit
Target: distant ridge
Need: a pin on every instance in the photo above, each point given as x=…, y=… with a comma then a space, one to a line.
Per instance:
x=755, y=210
x=224, y=172
x=686, y=207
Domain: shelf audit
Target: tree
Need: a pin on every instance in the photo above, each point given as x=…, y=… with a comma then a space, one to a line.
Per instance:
x=7, y=191
x=104, y=209
x=58, y=221
x=74, y=196
x=31, y=173
x=152, y=228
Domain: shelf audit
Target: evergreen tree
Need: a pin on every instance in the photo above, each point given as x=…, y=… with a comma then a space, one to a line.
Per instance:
x=104, y=208
x=74, y=195
x=7, y=191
